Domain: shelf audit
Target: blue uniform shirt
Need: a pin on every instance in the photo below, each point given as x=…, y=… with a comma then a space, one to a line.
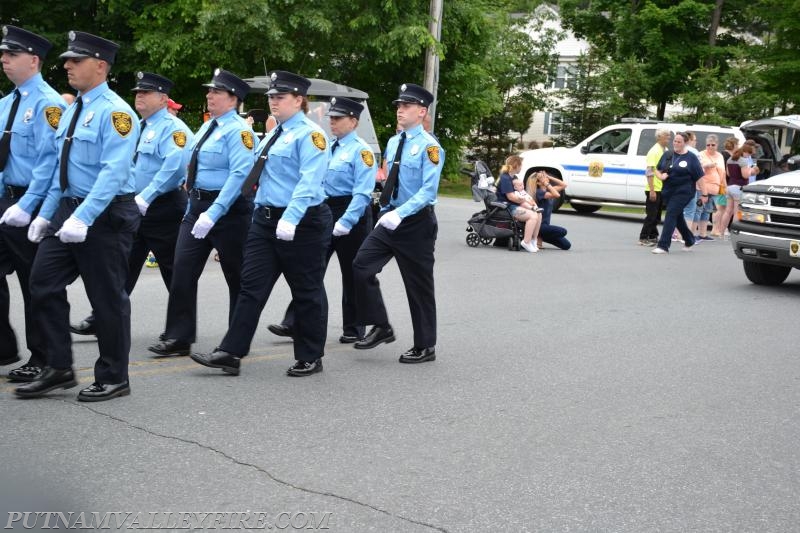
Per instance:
x=351, y=171
x=420, y=169
x=163, y=156
x=100, y=158
x=33, y=151
x=224, y=160
x=296, y=165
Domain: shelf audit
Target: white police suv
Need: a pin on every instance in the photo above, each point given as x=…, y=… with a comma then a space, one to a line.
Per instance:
x=607, y=169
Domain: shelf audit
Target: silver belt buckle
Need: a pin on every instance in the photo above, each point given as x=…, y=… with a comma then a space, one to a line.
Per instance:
x=267, y=213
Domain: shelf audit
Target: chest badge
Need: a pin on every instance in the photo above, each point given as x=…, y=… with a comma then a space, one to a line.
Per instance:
x=150, y=135
x=88, y=118
x=414, y=150
x=28, y=115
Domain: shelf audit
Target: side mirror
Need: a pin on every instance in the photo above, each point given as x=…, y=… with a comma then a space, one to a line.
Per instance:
x=585, y=149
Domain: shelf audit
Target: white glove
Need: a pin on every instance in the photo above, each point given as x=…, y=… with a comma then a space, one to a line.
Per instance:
x=285, y=230
x=202, y=226
x=141, y=204
x=390, y=220
x=73, y=230
x=339, y=229
x=15, y=216
x=37, y=229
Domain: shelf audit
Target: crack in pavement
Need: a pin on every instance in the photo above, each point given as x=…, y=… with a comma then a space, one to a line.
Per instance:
x=253, y=466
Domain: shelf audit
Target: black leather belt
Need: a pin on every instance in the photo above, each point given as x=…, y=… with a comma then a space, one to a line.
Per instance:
x=13, y=191
x=202, y=194
x=119, y=198
x=427, y=210
x=335, y=201
x=269, y=212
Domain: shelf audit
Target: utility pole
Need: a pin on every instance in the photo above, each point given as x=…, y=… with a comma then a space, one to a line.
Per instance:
x=431, y=82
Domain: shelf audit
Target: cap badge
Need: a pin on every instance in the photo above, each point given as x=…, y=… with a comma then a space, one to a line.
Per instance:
x=403, y=87
x=217, y=71
x=5, y=31
x=333, y=101
x=140, y=75
x=71, y=35
x=273, y=76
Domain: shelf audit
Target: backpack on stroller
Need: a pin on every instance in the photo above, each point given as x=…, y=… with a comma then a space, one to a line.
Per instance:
x=493, y=225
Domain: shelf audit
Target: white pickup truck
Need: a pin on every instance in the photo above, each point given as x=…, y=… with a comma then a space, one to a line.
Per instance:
x=607, y=169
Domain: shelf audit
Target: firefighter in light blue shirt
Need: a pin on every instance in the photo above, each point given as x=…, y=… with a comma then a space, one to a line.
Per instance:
x=349, y=181
x=218, y=215
x=290, y=233
x=159, y=168
x=29, y=116
x=406, y=230
x=87, y=224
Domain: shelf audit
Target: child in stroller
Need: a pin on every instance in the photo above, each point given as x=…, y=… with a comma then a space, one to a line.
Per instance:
x=493, y=225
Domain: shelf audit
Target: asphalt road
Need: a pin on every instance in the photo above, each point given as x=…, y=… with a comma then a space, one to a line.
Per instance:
x=600, y=389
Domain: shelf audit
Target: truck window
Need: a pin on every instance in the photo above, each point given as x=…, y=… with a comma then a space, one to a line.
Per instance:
x=647, y=138
x=611, y=142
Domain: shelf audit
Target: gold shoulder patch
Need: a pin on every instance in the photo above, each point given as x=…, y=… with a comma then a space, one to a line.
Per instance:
x=122, y=122
x=180, y=138
x=367, y=158
x=247, y=139
x=318, y=139
x=433, y=154
x=53, y=116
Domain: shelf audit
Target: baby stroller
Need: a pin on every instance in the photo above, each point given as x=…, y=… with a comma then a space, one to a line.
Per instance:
x=493, y=225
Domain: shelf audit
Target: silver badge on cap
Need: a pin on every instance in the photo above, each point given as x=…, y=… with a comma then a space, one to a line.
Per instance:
x=217, y=71
x=403, y=87
x=273, y=76
x=5, y=31
x=140, y=74
x=333, y=101
x=71, y=35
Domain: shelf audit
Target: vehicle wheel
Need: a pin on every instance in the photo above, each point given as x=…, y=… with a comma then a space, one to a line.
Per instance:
x=764, y=274
x=473, y=239
x=486, y=240
x=583, y=208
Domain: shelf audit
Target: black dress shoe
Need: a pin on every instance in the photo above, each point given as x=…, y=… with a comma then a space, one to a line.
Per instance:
x=280, y=330
x=304, y=368
x=170, y=347
x=9, y=360
x=377, y=335
x=419, y=355
x=25, y=373
x=100, y=392
x=349, y=339
x=50, y=379
x=84, y=327
x=228, y=362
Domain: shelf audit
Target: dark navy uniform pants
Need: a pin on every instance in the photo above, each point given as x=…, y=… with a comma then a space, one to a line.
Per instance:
x=102, y=263
x=227, y=236
x=412, y=245
x=158, y=232
x=302, y=262
x=346, y=248
x=16, y=255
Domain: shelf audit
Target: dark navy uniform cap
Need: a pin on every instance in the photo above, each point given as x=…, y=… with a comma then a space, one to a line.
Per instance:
x=344, y=107
x=19, y=40
x=414, y=94
x=287, y=82
x=82, y=44
x=228, y=81
x=147, y=81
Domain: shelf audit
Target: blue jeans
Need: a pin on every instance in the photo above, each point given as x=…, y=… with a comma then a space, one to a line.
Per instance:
x=702, y=214
x=674, y=202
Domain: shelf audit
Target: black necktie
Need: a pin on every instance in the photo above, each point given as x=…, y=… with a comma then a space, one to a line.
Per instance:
x=191, y=174
x=142, y=124
x=335, y=146
x=392, y=183
x=255, y=172
x=5, y=142
x=64, y=163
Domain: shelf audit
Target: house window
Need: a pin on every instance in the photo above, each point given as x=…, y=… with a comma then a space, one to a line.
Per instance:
x=552, y=123
x=565, y=78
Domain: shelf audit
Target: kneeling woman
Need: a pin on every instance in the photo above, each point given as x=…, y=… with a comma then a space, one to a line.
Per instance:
x=506, y=193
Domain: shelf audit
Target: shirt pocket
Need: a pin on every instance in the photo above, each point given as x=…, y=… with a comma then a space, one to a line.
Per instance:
x=23, y=142
x=85, y=147
x=146, y=160
x=282, y=150
x=211, y=155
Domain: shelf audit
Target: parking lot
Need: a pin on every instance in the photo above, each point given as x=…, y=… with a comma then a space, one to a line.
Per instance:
x=599, y=389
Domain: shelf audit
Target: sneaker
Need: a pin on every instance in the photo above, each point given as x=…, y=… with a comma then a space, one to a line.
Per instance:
x=644, y=242
x=151, y=261
x=706, y=238
x=659, y=251
x=652, y=242
x=687, y=248
x=529, y=246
